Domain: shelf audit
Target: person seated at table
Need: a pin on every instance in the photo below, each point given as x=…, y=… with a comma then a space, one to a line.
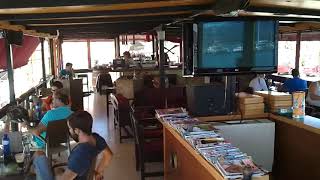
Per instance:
x=46, y=106
x=67, y=72
x=258, y=83
x=295, y=84
x=313, y=97
x=60, y=111
x=79, y=162
x=127, y=58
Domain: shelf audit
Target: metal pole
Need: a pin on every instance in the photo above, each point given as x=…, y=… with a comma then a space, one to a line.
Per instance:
x=10, y=69
x=43, y=63
x=161, y=36
x=14, y=126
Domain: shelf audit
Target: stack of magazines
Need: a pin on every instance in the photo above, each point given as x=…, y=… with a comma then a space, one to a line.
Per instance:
x=206, y=139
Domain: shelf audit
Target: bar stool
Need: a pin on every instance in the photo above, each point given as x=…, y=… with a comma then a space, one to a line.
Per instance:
x=84, y=76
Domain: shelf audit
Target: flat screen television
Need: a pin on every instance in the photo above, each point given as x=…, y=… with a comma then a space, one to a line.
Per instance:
x=230, y=47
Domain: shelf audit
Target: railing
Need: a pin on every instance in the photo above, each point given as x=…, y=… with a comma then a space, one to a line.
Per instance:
x=24, y=98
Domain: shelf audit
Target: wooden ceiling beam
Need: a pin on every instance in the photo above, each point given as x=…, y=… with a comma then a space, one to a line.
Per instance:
x=137, y=18
x=7, y=26
x=101, y=7
x=103, y=14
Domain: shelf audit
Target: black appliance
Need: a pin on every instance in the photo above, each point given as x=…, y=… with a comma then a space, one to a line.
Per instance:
x=212, y=99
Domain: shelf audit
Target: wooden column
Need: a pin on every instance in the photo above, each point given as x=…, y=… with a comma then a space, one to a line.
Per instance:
x=52, y=59
x=117, y=46
x=89, y=53
x=43, y=63
x=298, y=45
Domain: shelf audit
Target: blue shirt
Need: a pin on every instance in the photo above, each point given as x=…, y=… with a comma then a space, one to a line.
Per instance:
x=295, y=84
x=59, y=113
x=65, y=74
x=81, y=157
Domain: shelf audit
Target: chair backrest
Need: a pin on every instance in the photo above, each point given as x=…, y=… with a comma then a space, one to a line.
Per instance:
x=57, y=132
x=105, y=79
x=114, y=101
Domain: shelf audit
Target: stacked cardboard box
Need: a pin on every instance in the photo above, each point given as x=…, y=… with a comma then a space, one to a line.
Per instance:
x=250, y=104
x=276, y=100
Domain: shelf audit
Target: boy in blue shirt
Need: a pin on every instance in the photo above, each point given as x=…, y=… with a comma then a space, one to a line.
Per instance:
x=67, y=72
x=79, y=162
x=295, y=84
x=60, y=111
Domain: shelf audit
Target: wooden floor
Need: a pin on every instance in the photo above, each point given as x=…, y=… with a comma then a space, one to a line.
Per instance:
x=122, y=166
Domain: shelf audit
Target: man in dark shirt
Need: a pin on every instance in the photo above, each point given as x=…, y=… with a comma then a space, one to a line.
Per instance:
x=295, y=84
x=81, y=157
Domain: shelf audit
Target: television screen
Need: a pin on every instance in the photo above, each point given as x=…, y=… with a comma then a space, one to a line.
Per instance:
x=236, y=46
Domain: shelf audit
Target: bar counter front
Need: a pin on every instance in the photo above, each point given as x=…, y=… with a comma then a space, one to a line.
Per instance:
x=296, y=145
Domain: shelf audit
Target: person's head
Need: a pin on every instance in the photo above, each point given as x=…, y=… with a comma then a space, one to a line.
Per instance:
x=60, y=98
x=295, y=73
x=56, y=85
x=69, y=66
x=126, y=55
x=80, y=124
x=261, y=75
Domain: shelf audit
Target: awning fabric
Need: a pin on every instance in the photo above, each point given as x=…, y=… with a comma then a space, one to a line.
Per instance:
x=21, y=54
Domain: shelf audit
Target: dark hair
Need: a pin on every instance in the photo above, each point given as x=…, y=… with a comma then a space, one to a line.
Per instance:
x=69, y=64
x=62, y=96
x=126, y=53
x=57, y=84
x=81, y=120
x=295, y=72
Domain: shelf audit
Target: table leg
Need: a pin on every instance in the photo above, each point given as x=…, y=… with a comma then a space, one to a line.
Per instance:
x=107, y=94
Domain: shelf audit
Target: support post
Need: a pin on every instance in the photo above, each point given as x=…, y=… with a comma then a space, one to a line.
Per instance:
x=298, y=45
x=52, y=60
x=117, y=46
x=161, y=37
x=10, y=69
x=8, y=47
x=44, y=77
x=89, y=53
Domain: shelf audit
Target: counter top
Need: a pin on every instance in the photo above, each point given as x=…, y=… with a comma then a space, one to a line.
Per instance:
x=308, y=123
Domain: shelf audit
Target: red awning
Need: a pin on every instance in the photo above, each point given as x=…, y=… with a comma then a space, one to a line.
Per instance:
x=21, y=54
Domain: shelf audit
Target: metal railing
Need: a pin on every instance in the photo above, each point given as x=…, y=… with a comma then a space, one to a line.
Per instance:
x=24, y=98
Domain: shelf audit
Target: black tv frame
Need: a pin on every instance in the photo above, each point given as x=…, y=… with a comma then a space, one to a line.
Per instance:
x=190, y=49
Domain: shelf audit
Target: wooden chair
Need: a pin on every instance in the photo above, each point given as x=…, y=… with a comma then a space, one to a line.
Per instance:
x=57, y=139
x=121, y=110
x=148, y=142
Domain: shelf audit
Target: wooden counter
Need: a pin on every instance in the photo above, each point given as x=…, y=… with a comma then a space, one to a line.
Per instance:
x=181, y=161
x=296, y=151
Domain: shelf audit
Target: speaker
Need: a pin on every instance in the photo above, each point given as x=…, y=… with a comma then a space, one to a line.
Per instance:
x=187, y=48
x=15, y=37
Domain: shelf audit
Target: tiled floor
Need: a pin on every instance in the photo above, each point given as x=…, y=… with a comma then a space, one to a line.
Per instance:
x=122, y=166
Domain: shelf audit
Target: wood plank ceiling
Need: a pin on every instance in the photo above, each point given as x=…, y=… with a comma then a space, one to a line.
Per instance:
x=109, y=18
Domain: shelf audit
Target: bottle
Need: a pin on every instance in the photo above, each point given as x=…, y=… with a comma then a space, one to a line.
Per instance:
x=6, y=148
